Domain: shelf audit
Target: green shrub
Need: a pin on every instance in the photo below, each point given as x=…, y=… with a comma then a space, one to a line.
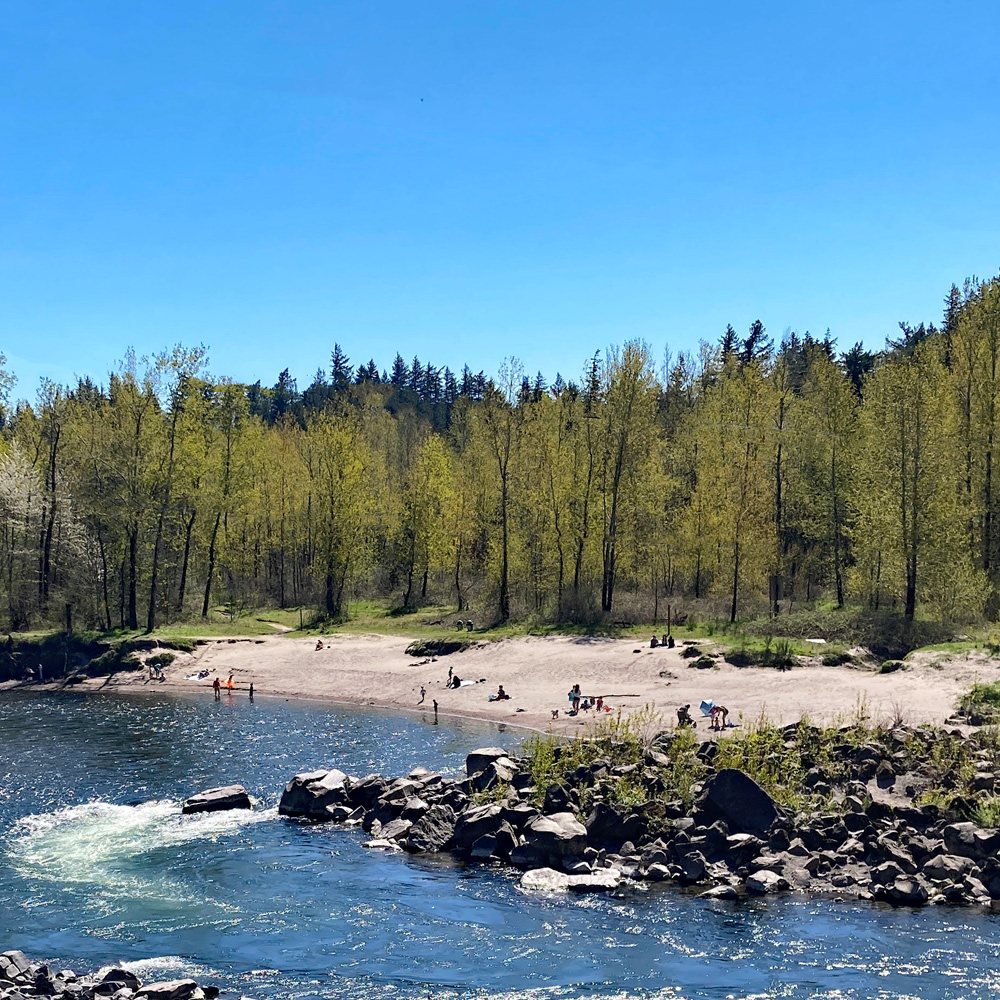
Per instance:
x=981, y=703
x=836, y=659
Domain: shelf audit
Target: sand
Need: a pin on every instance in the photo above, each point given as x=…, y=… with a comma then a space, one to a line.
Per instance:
x=538, y=673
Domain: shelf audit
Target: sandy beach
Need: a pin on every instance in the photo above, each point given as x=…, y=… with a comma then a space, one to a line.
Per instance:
x=538, y=673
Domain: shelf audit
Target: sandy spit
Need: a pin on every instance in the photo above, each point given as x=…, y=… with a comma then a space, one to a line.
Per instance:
x=538, y=673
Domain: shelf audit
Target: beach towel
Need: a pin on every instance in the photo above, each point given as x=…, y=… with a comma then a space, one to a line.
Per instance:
x=706, y=707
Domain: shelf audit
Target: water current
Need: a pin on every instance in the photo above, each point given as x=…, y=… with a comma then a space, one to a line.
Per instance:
x=98, y=866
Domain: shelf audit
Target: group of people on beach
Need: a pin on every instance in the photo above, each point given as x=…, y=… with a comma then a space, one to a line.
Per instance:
x=667, y=642
x=578, y=702
x=718, y=716
x=230, y=685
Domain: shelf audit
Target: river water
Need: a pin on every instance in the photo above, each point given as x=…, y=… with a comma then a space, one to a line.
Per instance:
x=98, y=866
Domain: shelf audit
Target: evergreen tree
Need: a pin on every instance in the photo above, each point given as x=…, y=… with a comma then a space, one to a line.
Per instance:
x=340, y=368
x=858, y=364
x=728, y=342
x=755, y=347
x=400, y=375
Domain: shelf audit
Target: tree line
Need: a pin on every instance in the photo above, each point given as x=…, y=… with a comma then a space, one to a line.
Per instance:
x=742, y=474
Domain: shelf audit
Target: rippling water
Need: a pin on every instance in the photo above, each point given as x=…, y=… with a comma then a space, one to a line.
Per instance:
x=97, y=865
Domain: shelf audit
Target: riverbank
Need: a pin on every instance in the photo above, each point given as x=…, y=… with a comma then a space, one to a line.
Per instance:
x=537, y=673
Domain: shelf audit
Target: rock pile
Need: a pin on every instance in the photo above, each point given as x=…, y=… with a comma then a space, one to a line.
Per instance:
x=21, y=979
x=732, y=840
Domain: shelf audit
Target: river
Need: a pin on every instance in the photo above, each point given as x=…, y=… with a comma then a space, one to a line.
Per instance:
x=98, y=866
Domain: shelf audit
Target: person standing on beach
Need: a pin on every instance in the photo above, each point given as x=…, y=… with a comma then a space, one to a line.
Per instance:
x=435, y=712
x=423, y=694
x=217, y=688
x=251, y=690
x=229, y=686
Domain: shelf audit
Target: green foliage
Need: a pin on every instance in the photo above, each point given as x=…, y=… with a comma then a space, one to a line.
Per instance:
x=160, y=494
x=986, y=812
x=764, y=754
x=981, y=703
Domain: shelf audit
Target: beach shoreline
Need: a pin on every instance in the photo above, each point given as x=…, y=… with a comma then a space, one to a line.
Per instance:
x=374, y=671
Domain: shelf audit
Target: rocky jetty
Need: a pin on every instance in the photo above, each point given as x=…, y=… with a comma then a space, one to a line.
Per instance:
x=854, y=835
x=21, y=979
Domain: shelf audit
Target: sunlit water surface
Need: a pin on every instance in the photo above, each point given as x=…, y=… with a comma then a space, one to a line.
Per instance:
x=97, y=865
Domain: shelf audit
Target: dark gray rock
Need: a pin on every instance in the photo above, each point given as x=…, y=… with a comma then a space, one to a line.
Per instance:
x=218, y=800
x=557, y=835
x=736, y=798
x=479, y=821
x=611, y=827
x=969, y=841
x=908, y=891
x=947, y=868
x=433, y=831
x=310, y=793
x=480, y=759
x=497, y=772
x=14, y=967
x=176, y=989
x=120, y=978
x=765, y=882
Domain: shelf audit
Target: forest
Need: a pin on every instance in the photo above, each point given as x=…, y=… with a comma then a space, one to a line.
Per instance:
x=745, y=476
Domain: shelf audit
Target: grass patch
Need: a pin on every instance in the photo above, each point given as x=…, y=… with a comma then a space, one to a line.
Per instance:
x=981, y=704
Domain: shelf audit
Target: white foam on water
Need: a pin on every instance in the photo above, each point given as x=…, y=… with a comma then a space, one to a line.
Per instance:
x=91, y=844
x=150, y=968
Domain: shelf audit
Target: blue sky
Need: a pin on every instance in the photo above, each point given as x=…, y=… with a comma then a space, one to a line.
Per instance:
x=468, y=180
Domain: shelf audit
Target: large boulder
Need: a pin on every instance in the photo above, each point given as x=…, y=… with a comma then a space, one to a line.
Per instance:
x=908, y=891
x=480, y=759
x=218, y=800
x=15, y=967
x=310, y=793
x=736, y=798
x=947, y=868
x=608, y=826
x=556, y=836
x=497, y=772
x=433, y=831
x=969, y=841
x=479, y=821
x=119, y=978
x=765, y=882
x=549, y=880
x=175, y=989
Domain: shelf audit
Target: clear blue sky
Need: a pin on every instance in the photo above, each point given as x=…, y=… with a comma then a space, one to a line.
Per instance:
x=467, y=180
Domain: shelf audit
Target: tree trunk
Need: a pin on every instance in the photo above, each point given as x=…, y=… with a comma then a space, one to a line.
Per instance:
x=184, y=562
x=133, y=549
x=211, y=566
x=736, y=581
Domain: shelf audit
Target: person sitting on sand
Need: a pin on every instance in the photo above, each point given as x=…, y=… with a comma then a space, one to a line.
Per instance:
x=455, y=682
x=654, y=642
x=502, y=695
x=684, y=716
x=319, y=643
